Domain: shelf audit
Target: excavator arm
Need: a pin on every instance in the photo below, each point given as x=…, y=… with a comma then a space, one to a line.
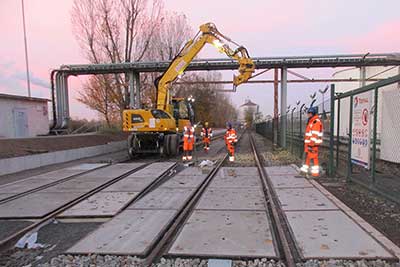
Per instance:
x=208, y=34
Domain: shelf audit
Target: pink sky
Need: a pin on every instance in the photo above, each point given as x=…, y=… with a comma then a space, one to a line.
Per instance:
x=265, y=27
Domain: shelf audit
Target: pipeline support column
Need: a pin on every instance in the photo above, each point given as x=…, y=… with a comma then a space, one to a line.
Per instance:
x=283, y=106
x=134, y=90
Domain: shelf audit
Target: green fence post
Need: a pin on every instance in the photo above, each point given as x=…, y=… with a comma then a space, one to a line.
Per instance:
x=349, y=167
x=292, y=133
x=373, y=167
x=338, y=134
x=332, y=131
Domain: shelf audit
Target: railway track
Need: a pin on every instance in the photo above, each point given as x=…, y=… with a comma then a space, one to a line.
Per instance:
x=156, y=223
x=286, y=249
x=12, y=239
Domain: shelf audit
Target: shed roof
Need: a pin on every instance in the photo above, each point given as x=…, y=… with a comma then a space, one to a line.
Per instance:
x=23, y=98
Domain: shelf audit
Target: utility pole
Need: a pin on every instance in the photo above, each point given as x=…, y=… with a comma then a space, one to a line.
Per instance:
x=26, y=50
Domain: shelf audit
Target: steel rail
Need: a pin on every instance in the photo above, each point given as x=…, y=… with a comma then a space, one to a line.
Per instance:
x=289, y=252
x=150, y=187
x=165, y=239
x=12, y=239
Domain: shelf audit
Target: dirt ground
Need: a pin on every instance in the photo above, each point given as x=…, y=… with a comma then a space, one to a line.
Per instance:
x=27, y=146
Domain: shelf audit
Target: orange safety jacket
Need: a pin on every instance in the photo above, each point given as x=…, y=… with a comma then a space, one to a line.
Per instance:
x=206, y=132
x=188, y=138
x=230, y=136
x=314, y=132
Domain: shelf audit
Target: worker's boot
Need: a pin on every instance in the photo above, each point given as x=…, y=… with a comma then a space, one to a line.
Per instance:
x=315, y=171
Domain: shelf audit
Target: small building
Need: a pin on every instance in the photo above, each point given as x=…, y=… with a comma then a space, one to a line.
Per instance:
x=22, y=116
x=248, y=106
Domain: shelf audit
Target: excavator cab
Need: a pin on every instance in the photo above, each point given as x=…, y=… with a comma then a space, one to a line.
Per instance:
x=182, y=112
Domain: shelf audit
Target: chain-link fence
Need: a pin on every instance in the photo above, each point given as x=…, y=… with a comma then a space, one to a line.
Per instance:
x=296, y=121
x=361, y=135
x=367, y=136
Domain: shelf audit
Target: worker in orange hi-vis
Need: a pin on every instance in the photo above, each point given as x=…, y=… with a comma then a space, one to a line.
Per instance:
x=312, y=141
x=230, y=141
x=206, y=133
x=188, y=142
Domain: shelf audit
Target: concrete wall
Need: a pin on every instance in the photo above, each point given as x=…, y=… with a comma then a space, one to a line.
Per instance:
x=36, y=112
x=17, y=164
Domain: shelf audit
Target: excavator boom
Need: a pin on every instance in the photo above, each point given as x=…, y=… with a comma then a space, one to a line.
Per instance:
x=208, y=34
x=158, y=130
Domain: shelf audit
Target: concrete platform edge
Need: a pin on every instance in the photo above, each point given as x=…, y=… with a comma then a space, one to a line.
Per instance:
x=17, y=164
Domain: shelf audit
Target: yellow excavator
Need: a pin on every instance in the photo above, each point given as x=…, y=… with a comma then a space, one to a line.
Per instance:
x=159, y=130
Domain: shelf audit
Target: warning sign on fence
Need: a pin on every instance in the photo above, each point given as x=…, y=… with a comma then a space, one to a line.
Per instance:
x=360, y=143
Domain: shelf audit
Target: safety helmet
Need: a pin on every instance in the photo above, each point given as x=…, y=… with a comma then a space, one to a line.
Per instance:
x=229, y=125
x=312, y=110
x=206, y=124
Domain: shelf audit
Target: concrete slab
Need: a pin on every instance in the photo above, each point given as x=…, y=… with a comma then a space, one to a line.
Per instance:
x=332, y=235
x=86, y=166
x=131, y=232
x=289, y=181
x=304, y=199
x=225, y=234
x=163, y=198
x=180, y=181
x=154, y=169
x=35, y=205
x=25, y=185
x=100, y=204
x=130, y=184
x=281, y=170
x=112, y=171
x=225, y=181
x=76, y=185
x=232, y=199
x=237, y=171
x=5, y=195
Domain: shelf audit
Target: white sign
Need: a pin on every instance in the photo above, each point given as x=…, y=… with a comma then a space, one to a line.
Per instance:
x=360, y=140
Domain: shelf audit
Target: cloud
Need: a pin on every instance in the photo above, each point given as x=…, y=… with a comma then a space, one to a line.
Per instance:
x=19, y=75
x=12, y=77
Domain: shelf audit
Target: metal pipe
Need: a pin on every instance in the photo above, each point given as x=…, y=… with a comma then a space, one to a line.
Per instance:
x=373, y=167
x=349, y=165
x=53, y=99
x=332, y=130
x=276, y=83
x=371, y=86
x=338, y=56
x=283, y=106
x=272, y=81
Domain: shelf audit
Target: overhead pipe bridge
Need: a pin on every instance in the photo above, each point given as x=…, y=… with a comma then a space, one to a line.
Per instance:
x=59, y=77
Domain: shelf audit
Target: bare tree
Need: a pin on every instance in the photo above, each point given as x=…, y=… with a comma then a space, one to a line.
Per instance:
x=210, y=104
x=114, y=31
